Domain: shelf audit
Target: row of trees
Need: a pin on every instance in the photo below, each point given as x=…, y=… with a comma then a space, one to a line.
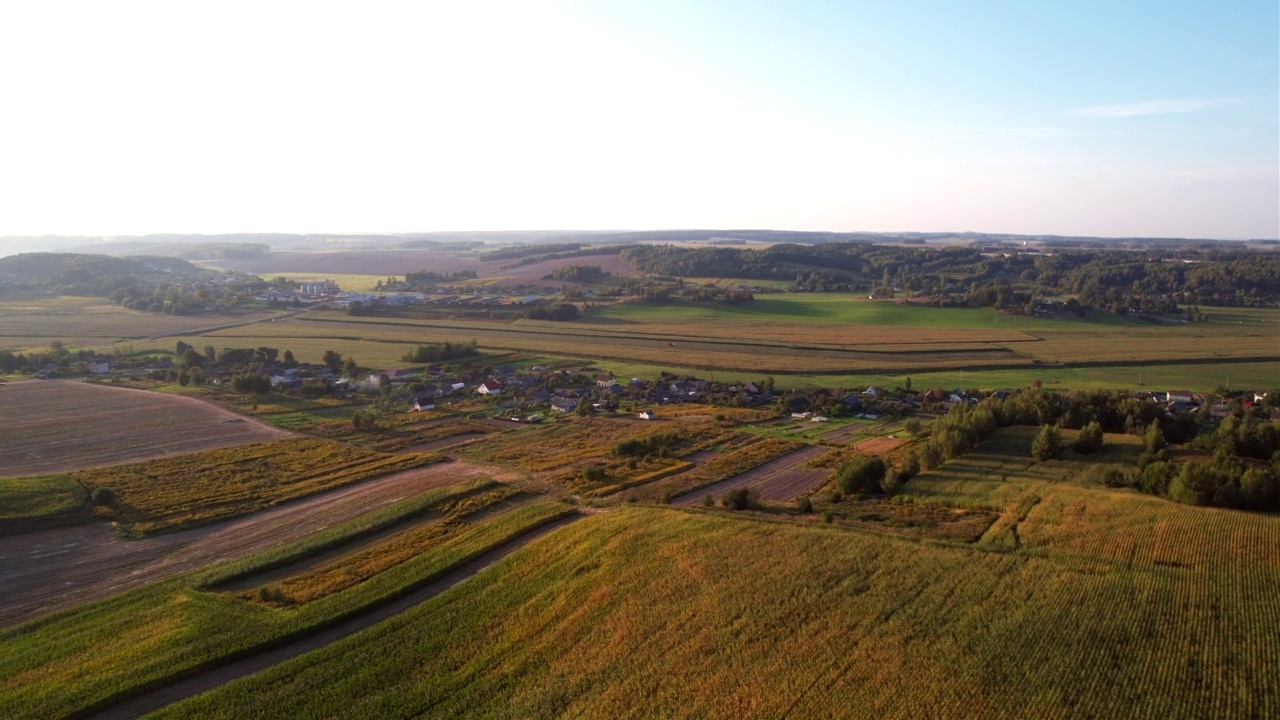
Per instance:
x=438, y=352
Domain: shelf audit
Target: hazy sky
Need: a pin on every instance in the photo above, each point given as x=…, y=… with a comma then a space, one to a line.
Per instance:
x=1100, y=118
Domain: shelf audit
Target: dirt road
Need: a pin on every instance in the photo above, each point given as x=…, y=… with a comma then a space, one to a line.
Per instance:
x=63, y=567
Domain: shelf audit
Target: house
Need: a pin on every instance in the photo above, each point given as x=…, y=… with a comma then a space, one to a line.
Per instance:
x=605, y=381
x=98, y=366
x=799, y=404
x=1180, y=396
x=489, y=387
x=648, y=415
x=423, y=401
x=563, y=404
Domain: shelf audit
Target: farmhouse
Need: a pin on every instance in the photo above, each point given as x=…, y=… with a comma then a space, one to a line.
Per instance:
x=98, y=366
x=605, y=381
x=648, y=415
x=489, y=387
x=423, y=401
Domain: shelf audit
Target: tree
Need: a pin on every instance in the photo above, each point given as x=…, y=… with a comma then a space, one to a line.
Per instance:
x=1090, y=439
x=191, y=358
x=289, y=360
x=210, y=354
x=1048, y=443
x=349, y=368
x=1155, y=447
x=740, y=499
x=332, y=360
x=384, y=385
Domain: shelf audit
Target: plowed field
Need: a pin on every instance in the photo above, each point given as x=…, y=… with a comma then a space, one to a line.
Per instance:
x=62, y=425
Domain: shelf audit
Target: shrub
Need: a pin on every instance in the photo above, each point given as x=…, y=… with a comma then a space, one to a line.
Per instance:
x=103, y=496
x=594, y=473
x=804, y=505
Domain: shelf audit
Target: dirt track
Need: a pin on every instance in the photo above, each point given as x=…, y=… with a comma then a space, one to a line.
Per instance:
x=60, y=568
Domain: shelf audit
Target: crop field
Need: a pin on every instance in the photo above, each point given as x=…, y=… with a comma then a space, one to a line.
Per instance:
x=70, y=663
x=58, y=426
x=31, y=324
x=384, y=263
x=212, y=485
x=644, y=612
x=35, y=498
x=743, y=453
x=778, y=480
x=328, y=574
x=559, y=451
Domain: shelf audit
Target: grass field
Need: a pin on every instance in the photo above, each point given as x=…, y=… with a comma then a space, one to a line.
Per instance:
x=664, y=613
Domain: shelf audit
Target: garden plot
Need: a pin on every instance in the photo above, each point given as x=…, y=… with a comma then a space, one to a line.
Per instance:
x=781, y=479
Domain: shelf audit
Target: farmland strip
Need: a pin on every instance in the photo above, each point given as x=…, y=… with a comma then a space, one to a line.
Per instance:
x=171, y=693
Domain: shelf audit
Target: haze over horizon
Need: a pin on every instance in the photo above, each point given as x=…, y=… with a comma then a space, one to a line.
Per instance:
x=1147, y=120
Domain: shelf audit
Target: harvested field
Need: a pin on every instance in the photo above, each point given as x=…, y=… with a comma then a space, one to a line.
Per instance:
x=53, y=569
x=58, y=426
x=779, y=480
x=701, y=457
x=880, y=445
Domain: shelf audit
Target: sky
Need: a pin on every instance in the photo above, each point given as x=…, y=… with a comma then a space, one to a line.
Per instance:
x=1069, y=118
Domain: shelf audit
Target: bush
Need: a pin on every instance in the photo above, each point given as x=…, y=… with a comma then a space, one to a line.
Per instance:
x=740, y=499
x=594, y=473
x=804, y=505
x=103, y=497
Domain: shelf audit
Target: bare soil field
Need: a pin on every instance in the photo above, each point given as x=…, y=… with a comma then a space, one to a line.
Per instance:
x=62, y=425
x=532, y=274
x=54, y=569
x=880, y=445
x=398, y=262
x=779, y=480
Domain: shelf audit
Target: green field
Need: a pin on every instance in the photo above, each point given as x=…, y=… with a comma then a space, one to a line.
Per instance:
x=35, y=498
